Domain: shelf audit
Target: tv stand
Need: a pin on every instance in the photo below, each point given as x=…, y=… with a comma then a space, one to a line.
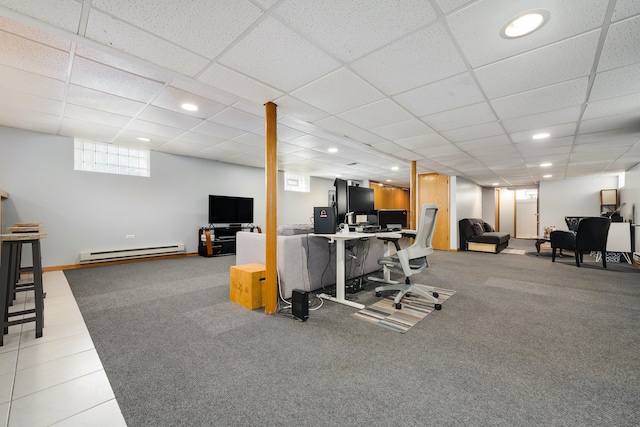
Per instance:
x=222, y=239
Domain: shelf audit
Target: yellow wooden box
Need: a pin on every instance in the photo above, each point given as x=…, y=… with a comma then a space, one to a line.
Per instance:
x=247, y=281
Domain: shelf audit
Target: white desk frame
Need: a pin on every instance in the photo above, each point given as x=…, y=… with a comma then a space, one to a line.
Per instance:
x=339, y=239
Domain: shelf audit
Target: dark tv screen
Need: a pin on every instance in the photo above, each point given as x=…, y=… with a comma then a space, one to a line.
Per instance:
x=361, y=200
x=341, y=198
x=230, y=210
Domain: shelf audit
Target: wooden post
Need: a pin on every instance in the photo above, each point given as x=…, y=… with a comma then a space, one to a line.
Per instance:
x=270, y=293
x=412, y=195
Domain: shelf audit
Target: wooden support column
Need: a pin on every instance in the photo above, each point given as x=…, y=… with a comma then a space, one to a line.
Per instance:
x=270, y=293
x=412, y=195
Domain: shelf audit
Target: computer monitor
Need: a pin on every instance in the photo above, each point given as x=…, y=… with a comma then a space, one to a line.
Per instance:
x=342, y=201
x=360, y=200
x=392, y=216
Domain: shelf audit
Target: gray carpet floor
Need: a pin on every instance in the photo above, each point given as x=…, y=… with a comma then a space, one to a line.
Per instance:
x=523, y=342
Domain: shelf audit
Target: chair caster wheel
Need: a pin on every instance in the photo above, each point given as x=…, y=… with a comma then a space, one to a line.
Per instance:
x=378, y=294
x=398, y=306
x=435, y=294
x=438, y=306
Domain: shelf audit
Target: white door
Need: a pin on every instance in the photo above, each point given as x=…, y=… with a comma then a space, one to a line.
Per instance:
x=526, y=214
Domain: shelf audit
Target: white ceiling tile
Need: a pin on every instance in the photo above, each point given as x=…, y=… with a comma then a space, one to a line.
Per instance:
x=17, y=117
x=565, y=60
x=27, y=55
x=338, y=126
x=300, y=110
x=31, y=83
x=610, y=123
x=421, y=141
x=477, y=27
x=239, y=148
x=541, y=120
x=609, y=136
x=61, y=13
x=88, y=130
x=154, y=129
x=102, y=117
x=552, y=146
x=217, y=130
x=242, y=86
x=378, y=113
x=337, y=92
x=612, y=107
x=200, y=26
x=474, y=132
x=554, y=97
x=367, y=137
x=109, y=31
x=139, y=68
x=620, y=47
x=447, y=94
x=298, y=63
x=461, y=117
x=200, y=139
x=106, y=79
x=239, y=119
x=437, y=150
x=181, y=147
x=95, y=99
x=31, y=33
x=256, y=141
x=557, y=131
x=500, y=141
x=448, y=5
x=625, y=8
x=406, y=129
x=26, y=102
x=171, y=98
x=420, y=58
x=162, y=116
x=351, y=29
x=613, y=83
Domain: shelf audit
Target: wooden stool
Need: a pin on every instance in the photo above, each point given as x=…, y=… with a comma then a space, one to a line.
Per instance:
x=9, y=272
x=18, y=285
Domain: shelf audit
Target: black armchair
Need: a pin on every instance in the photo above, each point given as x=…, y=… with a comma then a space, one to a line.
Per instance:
x=591, y=235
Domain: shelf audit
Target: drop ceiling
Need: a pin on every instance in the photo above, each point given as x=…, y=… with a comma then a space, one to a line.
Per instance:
x=384, y=82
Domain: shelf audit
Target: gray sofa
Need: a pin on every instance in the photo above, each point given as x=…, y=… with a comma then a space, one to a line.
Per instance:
x=305, y=261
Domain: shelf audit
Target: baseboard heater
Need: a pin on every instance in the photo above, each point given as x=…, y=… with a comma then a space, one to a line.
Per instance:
x=120, y=254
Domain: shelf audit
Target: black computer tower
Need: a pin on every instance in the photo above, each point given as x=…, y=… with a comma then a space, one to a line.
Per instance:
x=324, y=220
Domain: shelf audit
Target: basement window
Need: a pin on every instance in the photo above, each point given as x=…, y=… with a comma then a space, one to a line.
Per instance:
x=109, y=158
x=293, y=182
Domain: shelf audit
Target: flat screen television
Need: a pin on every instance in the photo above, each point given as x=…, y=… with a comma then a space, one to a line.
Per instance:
x=360, y=200
x=230, y=210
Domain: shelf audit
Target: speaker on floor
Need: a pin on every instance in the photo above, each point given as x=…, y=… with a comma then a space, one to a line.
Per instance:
x=300, y=304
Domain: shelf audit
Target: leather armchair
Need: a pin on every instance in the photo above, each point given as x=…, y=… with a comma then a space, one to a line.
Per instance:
x=591, y=235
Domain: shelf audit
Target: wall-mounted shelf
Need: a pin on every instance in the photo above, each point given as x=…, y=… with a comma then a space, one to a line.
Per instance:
x=608, y=201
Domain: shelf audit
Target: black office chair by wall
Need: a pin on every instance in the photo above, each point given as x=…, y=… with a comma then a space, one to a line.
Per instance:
x=591, y=235
x=412, y=260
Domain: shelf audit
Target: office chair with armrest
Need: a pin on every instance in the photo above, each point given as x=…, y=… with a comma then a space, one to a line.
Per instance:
x=411, y=261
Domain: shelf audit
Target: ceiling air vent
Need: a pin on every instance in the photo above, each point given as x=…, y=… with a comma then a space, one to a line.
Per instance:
x=351, y=164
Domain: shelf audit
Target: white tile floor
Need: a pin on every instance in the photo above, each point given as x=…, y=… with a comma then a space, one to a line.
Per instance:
x=58, y=379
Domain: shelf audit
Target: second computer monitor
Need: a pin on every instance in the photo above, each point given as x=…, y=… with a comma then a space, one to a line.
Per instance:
x=392, y=217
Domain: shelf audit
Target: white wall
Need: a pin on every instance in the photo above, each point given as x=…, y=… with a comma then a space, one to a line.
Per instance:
x=87, y=211
x=489, y=205
x=466, y=198
x=630, y=194
x=571, y=197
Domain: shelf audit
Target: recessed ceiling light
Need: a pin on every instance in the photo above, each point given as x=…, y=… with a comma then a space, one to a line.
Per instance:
x=394, y=168
x=380, y=184
x=388, y=180
x=545, y=165
x=337, y=175
x=547, y=176
x=143, y=139
x=332, y=150
x=525, y=23
x=542, y=135
x=495, y=184
x=189, y=107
